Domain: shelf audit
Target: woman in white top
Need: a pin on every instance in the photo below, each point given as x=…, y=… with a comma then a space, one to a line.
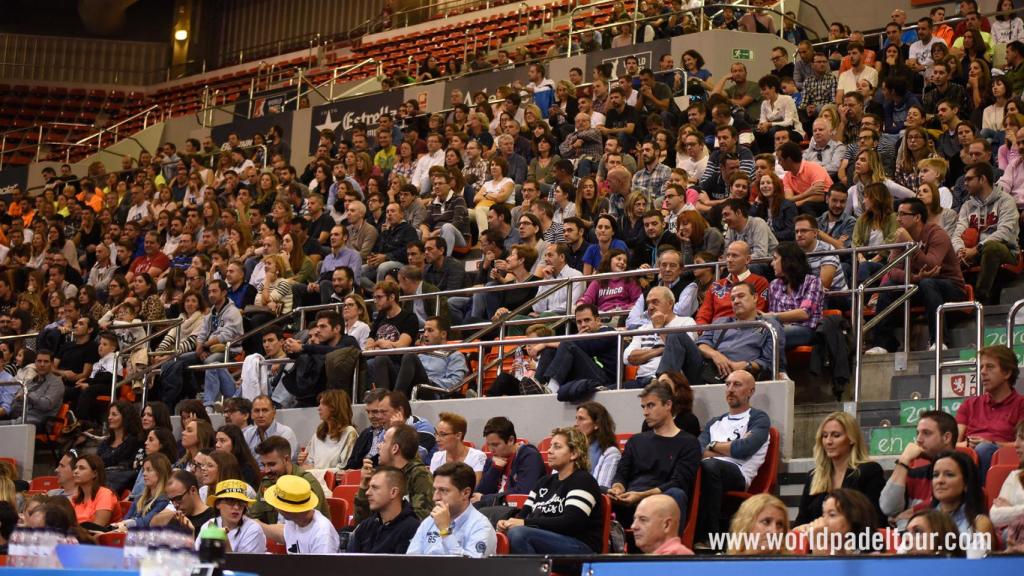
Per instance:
x=594, y=421
x=245, y=536
x=1006, y=28
x=331, y=444
x=275, y=291
x=692, y=156
x=357, y=318
x=993, y=114
x=451, y=430
x=778, y=111
x=497, y=190
x=867, y=169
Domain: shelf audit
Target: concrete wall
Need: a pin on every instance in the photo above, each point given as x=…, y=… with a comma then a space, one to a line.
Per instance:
x=536, y=416
x=871, y=14
x=18, y=442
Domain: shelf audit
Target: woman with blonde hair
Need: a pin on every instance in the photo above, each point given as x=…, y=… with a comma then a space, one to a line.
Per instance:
x=563, y=513
x=156, y=470
x=868, y=169
x=331, y=445
x=274, y=291
x=759, y=516
x=840, y=461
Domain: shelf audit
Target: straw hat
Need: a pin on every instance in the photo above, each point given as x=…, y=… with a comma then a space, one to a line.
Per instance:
x=233, y=489
x=291, y=494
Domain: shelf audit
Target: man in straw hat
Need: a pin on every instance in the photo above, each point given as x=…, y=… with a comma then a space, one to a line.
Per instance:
x=305, y=529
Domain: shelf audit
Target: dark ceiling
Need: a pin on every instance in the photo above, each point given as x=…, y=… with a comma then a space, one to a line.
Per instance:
x=143, y=20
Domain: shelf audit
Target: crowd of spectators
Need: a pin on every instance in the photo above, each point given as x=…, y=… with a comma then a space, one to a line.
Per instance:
x=605, y=171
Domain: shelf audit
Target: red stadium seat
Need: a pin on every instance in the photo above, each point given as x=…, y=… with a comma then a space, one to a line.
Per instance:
x=339, y=512
x=502, y=548
x=994, y=479
x=690, y=528
x=767, y=475
x=44, y=483
x=112, y=539
x=1006, y=455
x=347, y=492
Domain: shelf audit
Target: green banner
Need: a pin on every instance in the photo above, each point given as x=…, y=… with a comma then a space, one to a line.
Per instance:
x=1018, y=350
x=910, y=410
x=891, y=440
x=995, y=335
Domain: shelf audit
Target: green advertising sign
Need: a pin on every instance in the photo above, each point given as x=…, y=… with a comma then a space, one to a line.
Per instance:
x=910, y=410
x=996, y=339
x=995, y=335
x=891, y=441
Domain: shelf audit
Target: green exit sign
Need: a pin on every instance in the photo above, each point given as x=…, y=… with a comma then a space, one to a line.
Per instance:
x=742, y=54
x=891, y=440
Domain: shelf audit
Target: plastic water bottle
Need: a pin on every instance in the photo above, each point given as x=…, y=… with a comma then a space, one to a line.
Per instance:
x=518, y=364
x=16, y=548
x=212, y=543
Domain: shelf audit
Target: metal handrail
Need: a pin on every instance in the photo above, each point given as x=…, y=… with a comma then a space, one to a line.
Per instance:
x=635, y=20
x=19, y=336
x=979, y=311
x=335, y=75
x=172, y=324
x=1011, y=321
x=289, y=316
x=858, y=309
x=24, y=396
x=717, y=265
x=142, y=113
x=618, y=335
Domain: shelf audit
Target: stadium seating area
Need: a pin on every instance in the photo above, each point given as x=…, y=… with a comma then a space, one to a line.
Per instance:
x=423, y=284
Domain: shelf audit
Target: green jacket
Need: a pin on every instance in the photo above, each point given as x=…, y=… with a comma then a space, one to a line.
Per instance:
x=267, y=514
x=419, y=490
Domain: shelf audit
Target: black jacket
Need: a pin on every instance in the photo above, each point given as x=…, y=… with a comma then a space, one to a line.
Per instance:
x=372, y=536
x=307, y=380
x=361, y=448
x=393, y=241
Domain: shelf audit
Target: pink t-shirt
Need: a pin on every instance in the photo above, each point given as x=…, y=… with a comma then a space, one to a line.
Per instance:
x=990, y=421
x=103, y=500
x=673, y=547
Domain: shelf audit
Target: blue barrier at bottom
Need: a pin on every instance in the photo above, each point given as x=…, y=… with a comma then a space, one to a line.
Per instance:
x=808, y=566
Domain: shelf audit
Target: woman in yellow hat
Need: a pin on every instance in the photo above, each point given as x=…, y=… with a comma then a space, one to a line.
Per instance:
x=232, y=502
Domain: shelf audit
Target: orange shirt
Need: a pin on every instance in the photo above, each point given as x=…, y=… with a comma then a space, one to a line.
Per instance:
x=96, y=202
x=103, y=500
x=869, y=60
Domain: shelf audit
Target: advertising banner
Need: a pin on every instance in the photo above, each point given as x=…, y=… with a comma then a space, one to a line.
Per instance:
x=341, y=116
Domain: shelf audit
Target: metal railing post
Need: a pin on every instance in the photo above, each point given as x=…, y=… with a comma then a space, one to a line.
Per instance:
x=618, y=361
x=1011, y=321
x=940, y=325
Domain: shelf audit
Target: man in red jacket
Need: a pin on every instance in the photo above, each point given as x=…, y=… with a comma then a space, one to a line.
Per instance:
x=717, y=302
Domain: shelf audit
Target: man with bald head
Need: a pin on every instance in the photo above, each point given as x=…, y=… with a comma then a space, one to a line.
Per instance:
x=718, y=302
x=656, y=527
x=619, y=181
x=735, y=445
